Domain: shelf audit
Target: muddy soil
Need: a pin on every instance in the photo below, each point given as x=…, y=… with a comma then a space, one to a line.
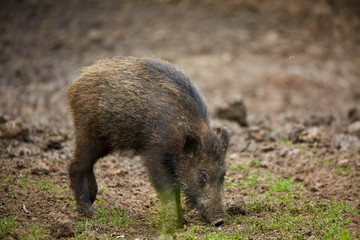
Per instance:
x=295, y=65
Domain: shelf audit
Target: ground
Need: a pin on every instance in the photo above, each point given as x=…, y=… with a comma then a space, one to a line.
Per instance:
x=295, y=65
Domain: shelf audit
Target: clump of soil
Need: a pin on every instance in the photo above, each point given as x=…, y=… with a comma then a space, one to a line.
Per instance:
x=62, y=226
x=236, y=205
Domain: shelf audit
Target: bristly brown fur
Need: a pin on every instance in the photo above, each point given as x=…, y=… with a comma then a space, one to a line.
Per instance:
x=149, y=107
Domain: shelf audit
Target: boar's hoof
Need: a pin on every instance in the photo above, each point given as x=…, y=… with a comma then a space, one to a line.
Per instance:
x=88, y=212
x=217, y=222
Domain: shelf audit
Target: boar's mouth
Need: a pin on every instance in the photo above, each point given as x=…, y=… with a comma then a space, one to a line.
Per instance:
x=218, y=222
x=216, y=219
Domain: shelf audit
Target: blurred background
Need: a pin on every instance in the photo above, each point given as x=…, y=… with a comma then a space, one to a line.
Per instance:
x=279, y=55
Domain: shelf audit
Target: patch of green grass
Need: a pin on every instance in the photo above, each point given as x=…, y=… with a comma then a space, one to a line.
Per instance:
x=238, y=167
x=343, y=170
x=329, y=215
x=24, y=181
x=6, y=225
x=258, y=205
x=70, y=202
x=232, y=185
x=252, y=180
x=329, y=161
x=103, y=188
x=106, y=216
x=279, y=222
x=281, y=210
x=100, y=201
x=46, y=185
x=197, y=232
x=286, y=141
x=253, y=162
x=287, y=209
x=199, y=229
x=286, y=185
x=257, y=179
x=36, y=232
x=10, y=180
x=14, y=195
x=65, y=189
x=214, y=236
x=302, y=150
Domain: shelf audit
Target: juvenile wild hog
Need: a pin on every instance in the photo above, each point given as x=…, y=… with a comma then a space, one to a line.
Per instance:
x=153, y=109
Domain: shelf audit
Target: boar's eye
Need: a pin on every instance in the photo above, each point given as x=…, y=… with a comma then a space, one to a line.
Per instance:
x=202, y=177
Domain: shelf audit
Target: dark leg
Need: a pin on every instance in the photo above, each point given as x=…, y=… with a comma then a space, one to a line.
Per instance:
x=82, y=178
x=179, y=210
x=161, y=173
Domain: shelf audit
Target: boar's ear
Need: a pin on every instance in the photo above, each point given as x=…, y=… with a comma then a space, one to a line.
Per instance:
x=192, y=145
x=224, y=136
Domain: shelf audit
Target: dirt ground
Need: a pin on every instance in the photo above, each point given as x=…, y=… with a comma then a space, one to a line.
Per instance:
x=296, y=65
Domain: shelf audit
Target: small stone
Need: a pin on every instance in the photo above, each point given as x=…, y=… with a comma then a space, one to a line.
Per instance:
x=54, y=142
x=306, y=231
x=116, y=171
x=311, y=135
x=234, y=111
x=94, y=235
x=358, y=165
x=20, y=164
x=14, y=129
x=354, y=114
x=345, y=141
x=95, y=36
x=40, y=171
x=3, y=119
x=298, y=179
x=258, y=134
x=319, y=120
x=267, y=148
x=283, y=153
x=294, y=135
x=252, y=147
x=343, y=163
x=354, y=128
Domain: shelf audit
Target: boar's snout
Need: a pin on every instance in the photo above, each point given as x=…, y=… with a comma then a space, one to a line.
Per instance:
x=217, y=218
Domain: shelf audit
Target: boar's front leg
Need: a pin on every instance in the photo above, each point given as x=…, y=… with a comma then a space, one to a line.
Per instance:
x=180, y=212
x=162, y=176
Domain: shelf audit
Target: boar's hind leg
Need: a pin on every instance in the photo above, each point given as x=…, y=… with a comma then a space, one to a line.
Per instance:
x=82, y=178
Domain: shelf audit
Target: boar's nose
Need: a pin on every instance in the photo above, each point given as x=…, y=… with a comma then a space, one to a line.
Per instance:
x=218, y=222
